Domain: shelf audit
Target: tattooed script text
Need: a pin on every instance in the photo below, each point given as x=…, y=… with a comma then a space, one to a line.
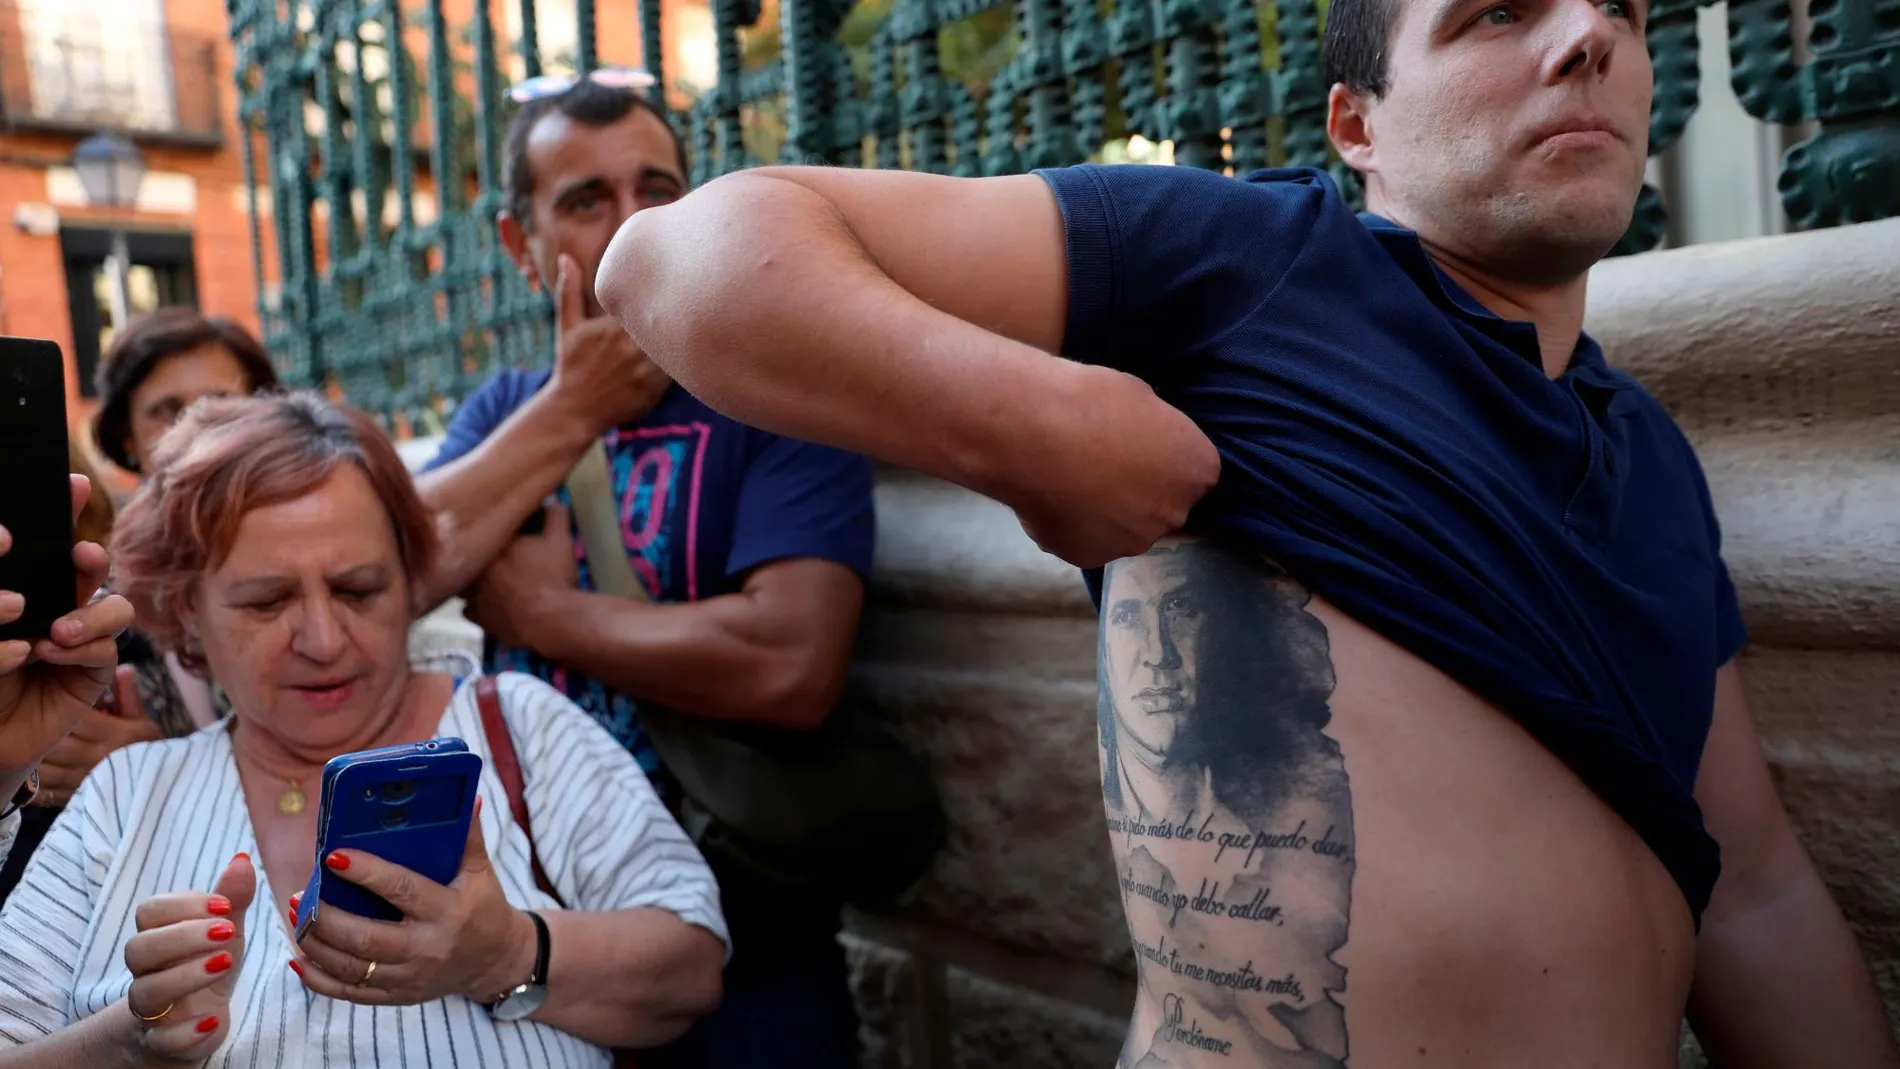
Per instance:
x=1229, y=807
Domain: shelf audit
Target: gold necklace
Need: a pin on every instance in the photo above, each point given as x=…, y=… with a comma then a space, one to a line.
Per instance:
x=291, y=802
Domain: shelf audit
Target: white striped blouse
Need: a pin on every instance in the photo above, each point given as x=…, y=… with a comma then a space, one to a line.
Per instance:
x=166, y=816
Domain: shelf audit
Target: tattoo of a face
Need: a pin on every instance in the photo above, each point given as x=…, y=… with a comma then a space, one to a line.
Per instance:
x=1229, y=808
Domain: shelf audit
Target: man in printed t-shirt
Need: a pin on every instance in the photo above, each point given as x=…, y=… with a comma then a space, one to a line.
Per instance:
x=753, y=548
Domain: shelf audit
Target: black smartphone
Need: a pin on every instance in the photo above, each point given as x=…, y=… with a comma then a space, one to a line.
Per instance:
x=36, y=504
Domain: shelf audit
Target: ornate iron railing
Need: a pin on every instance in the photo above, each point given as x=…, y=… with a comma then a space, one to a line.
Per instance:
x=381, y=123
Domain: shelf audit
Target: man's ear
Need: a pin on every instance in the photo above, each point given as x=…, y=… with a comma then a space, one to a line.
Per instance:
x=514, y=238
x=1349, y=125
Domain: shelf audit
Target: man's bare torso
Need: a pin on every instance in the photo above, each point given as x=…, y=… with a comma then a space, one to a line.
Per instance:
x=1330, y=854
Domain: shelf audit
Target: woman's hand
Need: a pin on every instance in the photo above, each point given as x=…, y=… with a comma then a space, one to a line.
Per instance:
x=184, y=964
x=463, y=939
x=47, y=685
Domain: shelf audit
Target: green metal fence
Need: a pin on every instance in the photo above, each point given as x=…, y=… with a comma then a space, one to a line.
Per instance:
x=366, y=111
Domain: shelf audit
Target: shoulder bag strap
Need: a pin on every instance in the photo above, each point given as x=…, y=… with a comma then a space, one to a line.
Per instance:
x=590, y=488
x=501, y=750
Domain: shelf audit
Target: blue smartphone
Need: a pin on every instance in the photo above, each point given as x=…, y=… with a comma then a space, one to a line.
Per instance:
x=409, y=805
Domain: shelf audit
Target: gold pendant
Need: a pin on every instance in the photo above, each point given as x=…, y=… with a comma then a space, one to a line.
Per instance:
x=290, y=803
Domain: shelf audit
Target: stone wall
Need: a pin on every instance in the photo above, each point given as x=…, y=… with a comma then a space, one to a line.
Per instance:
x=1780, y=356
x=1781, y=359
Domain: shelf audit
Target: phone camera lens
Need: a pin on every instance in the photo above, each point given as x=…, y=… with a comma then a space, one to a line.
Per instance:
x=369, y=793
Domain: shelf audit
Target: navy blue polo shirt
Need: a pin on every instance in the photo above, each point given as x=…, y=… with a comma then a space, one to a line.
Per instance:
x=1399, y=449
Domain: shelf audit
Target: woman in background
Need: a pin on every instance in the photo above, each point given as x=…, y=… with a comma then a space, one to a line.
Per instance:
x=158, y=366
x=161, y=363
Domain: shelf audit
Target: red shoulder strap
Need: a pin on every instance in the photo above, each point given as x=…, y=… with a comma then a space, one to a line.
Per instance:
x=501, y=750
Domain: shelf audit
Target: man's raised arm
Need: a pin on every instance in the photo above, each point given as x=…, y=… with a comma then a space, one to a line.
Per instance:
x=912, y=318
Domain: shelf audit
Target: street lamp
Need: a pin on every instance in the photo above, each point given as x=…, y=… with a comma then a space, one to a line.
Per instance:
x=110, y=170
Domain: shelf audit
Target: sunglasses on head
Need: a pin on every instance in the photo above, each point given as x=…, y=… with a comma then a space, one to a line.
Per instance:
x=547, y=85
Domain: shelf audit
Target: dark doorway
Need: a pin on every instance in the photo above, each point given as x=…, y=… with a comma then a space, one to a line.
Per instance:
x=163, y=274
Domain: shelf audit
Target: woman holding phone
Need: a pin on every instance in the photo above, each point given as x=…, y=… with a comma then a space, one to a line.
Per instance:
x=276, y=543
x=158, y=364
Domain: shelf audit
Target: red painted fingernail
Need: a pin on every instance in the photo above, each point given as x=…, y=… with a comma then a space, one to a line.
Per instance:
x=241, y=856
x=218, y=963
x=207, y=1026
x=221, y=931
x=296, y=899
x=296, y=968
x=292, y=917
x=337, y=861
x=218, y=904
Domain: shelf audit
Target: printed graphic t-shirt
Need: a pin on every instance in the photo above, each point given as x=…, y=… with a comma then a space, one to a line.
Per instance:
x=1399, y=449
x=703, y=500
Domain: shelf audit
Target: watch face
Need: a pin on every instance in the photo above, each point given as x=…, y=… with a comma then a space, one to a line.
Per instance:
x=520, y=1002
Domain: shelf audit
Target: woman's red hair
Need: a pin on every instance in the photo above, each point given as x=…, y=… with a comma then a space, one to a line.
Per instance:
x=227, y=456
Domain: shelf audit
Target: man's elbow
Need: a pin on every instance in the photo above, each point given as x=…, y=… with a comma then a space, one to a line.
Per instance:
x=448, y=571
x=1762, y=879
x=797, y=693
x=654, y=251
x=632, y=270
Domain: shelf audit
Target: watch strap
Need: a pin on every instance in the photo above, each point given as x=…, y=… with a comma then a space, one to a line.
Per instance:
x=539, y=977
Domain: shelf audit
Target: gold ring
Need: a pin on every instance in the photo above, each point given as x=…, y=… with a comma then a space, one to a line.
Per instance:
x=153, y=1019
x=367, y=973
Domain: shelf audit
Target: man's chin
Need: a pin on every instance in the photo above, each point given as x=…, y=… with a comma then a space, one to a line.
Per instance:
x=1563, y=238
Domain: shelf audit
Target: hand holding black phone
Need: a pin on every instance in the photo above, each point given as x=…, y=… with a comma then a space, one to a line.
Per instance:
x=36, y=556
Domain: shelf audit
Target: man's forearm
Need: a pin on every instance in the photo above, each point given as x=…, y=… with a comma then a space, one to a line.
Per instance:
x=1781, y=984
x=480, y=499
x=756, y=297
x=715, y=657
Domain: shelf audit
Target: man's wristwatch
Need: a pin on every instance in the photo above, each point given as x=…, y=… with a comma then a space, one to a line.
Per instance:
x=523, y=1000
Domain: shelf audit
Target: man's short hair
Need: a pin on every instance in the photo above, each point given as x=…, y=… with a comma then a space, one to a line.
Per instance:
x=1357, y=32
x=587, y=102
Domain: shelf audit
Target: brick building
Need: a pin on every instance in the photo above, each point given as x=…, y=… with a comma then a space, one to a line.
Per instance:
x=160, y=73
